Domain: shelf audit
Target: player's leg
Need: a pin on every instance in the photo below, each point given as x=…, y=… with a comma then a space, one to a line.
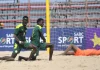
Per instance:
x=21, y=57
x=96, y=52
x=4, y=57
x=34, y=49
x=14, y=53
x=33, y=55
x=29, y=46
x=73, y=47
x=17, y=49
x=51, y=46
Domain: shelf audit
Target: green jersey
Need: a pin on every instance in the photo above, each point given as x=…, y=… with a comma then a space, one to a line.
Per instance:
x=36, y=39
x=36, y=34
x=20, y=32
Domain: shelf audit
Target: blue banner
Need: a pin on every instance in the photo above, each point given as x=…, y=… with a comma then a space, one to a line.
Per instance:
x=92, y=38
x=63, y=37
x=7, y=39
x=60, y=37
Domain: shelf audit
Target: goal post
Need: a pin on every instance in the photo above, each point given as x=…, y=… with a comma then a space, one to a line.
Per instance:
x=48, y=22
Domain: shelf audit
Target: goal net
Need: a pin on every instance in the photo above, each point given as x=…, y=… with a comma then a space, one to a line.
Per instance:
x=72, y=22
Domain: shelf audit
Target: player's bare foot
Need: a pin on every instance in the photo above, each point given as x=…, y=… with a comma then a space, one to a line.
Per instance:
x=50, y=59
x=4, y=58
x=24, y=58
x=10, y=59
x=1, y=58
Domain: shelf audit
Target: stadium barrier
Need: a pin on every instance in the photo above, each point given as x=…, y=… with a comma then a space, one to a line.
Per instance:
x=60, y=37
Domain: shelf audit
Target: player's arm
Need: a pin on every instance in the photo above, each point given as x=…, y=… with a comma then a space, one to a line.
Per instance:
x=41, y=35
x=15, y=36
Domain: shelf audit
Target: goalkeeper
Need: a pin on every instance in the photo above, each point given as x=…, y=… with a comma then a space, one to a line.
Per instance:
x=78, y=52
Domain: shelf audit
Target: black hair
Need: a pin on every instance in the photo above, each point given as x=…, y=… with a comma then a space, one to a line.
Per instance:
x=25, y=17
x=40, y=19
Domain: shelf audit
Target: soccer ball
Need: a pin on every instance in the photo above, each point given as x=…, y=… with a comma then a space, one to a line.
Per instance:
x=2, y=24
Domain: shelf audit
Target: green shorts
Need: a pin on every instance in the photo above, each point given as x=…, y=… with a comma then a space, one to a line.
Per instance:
x=18, y=47
x=40, y=46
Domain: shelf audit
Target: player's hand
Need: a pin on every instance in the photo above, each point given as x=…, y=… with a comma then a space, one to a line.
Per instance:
x=21, y=42
x=31, y=38
x=44, y=40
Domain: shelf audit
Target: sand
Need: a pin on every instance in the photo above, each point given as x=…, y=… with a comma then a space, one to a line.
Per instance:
x=59, y=62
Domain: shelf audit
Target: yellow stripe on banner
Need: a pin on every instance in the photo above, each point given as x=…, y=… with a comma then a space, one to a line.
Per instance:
x=48, y=22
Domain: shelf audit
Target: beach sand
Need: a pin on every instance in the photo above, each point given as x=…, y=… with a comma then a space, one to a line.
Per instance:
x=59, y=62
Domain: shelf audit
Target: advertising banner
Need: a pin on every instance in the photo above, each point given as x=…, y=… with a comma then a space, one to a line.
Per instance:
x=7, y=39
x=93, y=38
x=60, y=37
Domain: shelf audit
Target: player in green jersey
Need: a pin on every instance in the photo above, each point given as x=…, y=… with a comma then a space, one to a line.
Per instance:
x=35, y=39
x=20, y=41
